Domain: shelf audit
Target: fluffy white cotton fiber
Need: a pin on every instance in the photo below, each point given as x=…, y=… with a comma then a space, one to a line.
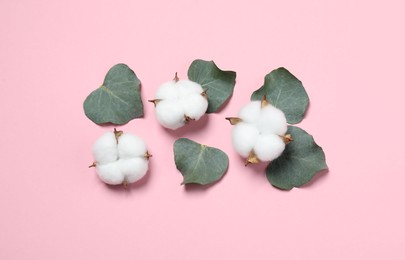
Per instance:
x=120, y=158
x=105, y=149
x=110, y=173
x=268, y=147
x=244, y=137
x=130, y=146
x=134, y=169
x=260, y=132
x=170, y=113
x=272, y=121
x=179, y=101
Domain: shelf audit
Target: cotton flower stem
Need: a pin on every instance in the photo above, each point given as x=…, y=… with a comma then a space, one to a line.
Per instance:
x=176, y=78
x=93, y=165
x=204, y=94
x=264, y=102
x=287, y=138
x=125, y=183
x=252, y=158
x=117, y=134
x=187, y=119
x=154, y=101
x=233, y=120
x=147, y=155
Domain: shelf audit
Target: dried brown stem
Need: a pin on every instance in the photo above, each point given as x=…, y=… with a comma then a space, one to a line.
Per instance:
x=252, y=158
x=287, y=138
x=187, y=119
x=264, y=101
x=233, y=120
x=93, y=165
x=117, y=134
x=155, y=101
x=125, y=183
x=204, y=94
x=176, y=78
x=147, y=155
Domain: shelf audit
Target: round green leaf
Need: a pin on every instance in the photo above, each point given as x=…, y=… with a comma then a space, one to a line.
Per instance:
x=118, y=100
x=199, y=163
x=284, y=91
x=218, y=83
x=300, y=161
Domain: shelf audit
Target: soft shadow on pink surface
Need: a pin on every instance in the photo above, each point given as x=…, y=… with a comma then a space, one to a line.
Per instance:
x=191, y=127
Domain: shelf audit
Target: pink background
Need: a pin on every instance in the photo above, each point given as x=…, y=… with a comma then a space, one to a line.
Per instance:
x=350, y=56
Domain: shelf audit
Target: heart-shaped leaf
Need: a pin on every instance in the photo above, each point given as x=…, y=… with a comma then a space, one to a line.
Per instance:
x=118, y=100
x=284, y=91
x=300, y=161
x=218, y=83
x=199, y=163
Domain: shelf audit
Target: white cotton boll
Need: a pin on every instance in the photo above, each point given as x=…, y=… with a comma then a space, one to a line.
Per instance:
x=250, y=113
x=244, y=137
x=134, y=169
x=167, y=90
x=187, y=87
x=269, y=147
x=272, y=121
x=194, y=106
x=131, y=146
x=105, y=149
x=110, y=173
x=170, y=114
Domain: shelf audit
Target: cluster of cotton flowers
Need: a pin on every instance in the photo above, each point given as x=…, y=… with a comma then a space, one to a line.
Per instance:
x=120, y=158
x=178, y=102
x=260, y=132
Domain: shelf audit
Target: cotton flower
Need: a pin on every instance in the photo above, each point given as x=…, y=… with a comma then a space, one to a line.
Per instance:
x=120, y=158
x=260, y=132
x=179, y=101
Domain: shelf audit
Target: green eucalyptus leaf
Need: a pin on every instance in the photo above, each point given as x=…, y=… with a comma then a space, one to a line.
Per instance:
x=284, y=91
x=118, y=100
x=300, y=161
x=218, y=83
x=199, y=163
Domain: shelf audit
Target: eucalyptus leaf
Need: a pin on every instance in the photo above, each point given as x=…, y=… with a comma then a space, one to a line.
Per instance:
x=284, y=91
x=218, y=83
x=300, y=161
x=199, y=163
x=118, y=100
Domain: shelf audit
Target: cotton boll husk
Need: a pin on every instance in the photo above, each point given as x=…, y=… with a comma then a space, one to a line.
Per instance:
x=269, y=147
x=110, y=173
x=134, y=169
x=250, y=113
x=167, y=90
x=131, y=146
x=244, y=138
x=105, y=149
x=194, y=106
x=272, y=121
x=186, y=87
